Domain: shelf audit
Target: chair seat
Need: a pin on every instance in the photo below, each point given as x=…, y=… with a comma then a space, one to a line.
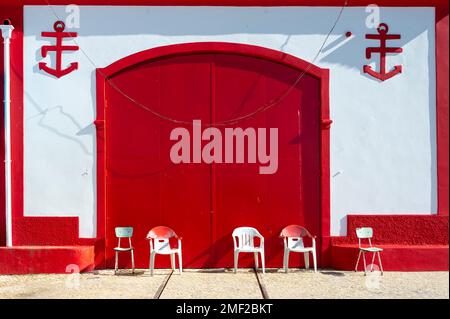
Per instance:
x=371, y=249
x=249, y=249
x=123, y=248
x=167, y=251
x=301, y=250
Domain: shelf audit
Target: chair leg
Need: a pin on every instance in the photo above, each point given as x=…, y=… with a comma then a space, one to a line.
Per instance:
x=236, y=256
x=306, y=257
x=373, y=259
x=357, y=261
x=379, y=260
x=314, y=260
x=172, y=261
x=116, y=265
x=286, y=260
x=364, y=259
x=132, y=261
x=180, y=261
x=152, y=263
x=263, y=262
x=256, y=261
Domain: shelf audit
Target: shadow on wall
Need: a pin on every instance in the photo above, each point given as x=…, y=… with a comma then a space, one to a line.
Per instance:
x=349, y=51
x=43, y=114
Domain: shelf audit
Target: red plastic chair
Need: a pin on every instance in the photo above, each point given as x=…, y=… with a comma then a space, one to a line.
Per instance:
x=159, y=238
x=293, y=242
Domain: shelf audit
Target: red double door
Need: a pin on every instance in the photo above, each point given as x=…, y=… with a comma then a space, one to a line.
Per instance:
x=204, y=202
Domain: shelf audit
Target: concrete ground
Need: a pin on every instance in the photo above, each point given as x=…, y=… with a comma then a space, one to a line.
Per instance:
x=224, y=284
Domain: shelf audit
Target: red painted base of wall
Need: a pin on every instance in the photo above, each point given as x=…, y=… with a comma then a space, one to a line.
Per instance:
x=410, y=242
x=45, y=259
x=394, y=257
x=399, y=229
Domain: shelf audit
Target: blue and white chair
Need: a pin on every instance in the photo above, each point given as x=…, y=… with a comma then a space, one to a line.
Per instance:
x=124, y=232
x=367, y=233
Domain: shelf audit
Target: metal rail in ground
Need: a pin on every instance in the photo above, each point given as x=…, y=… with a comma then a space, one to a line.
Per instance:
x=163, y=285
x=261, y=284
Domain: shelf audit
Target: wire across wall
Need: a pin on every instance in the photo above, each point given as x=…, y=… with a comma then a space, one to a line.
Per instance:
x=263, y=108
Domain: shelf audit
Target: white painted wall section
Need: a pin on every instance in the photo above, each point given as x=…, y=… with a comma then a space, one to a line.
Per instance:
x=383, y=139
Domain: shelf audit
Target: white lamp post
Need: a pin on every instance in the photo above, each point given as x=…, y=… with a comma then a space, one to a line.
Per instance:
x=6, y=34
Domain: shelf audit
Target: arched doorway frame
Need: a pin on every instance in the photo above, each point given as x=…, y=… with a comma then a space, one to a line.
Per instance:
x=103, y=74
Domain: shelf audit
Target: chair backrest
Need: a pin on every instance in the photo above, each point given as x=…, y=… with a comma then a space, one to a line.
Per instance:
x=245, y=236
x=295, y=231
x=364, y=233
x=124, y=232
x=293, y=236
x=161, y=232
x=159, y=237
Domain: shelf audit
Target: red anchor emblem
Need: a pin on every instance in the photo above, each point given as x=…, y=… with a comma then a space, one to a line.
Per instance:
x=59, y=27
x=382, y=36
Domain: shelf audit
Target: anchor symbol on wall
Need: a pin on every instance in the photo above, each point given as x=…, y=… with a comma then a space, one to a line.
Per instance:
x=58, y=48
x=382, y=36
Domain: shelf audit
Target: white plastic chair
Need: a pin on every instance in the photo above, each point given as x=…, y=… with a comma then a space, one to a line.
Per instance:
x=159, y=238
x=367, y=233
x=293, y=242
x=124, y=232
x=243, y=239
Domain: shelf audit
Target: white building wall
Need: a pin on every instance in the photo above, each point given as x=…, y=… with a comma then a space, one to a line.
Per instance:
x=383, y=141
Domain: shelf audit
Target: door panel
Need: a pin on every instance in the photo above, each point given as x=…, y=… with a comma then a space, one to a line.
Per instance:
x=144, y=187
x=243, y=196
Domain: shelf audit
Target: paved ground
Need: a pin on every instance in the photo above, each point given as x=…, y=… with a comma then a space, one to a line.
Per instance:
x=225, y=284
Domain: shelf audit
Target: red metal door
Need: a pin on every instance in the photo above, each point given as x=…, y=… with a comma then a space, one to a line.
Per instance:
x=204, y=202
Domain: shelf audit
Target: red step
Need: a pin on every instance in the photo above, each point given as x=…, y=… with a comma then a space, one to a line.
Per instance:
x=46, y=259
x=410, y=242
x=394, y=257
